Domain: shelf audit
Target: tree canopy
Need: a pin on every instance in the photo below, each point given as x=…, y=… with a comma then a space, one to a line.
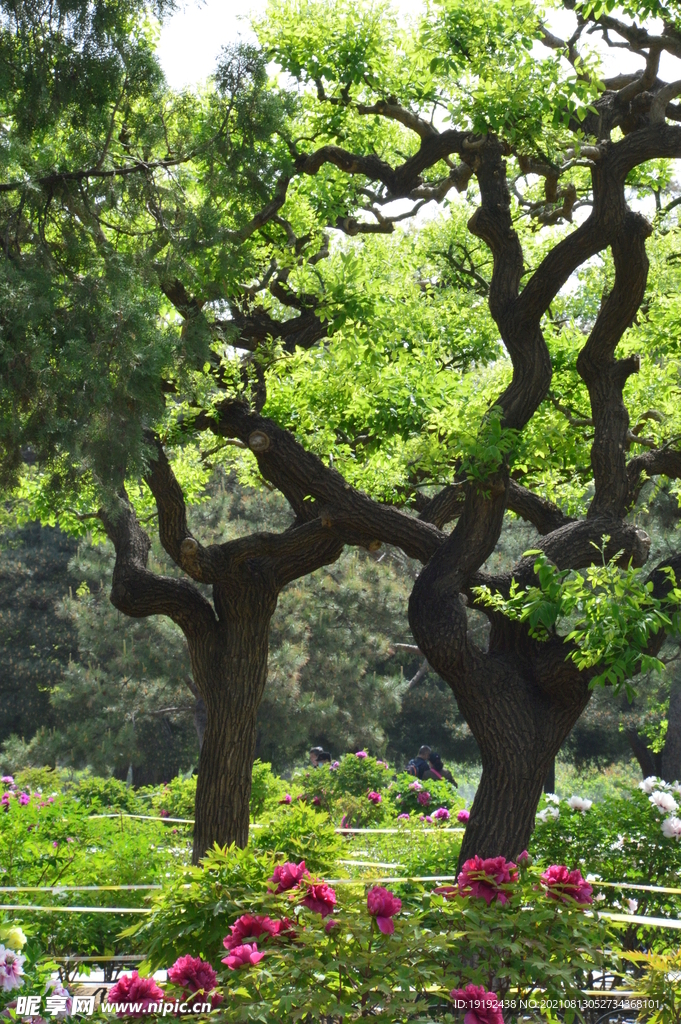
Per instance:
x=419, y=273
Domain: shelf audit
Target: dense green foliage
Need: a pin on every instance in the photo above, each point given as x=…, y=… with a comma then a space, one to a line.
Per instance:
x=54, y=838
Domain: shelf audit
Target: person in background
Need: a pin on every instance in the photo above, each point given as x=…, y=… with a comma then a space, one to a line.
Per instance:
x=437, y=770
x=318, y=755
x=420, y=764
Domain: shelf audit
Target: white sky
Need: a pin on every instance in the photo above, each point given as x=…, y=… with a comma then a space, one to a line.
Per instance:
x=191, y=40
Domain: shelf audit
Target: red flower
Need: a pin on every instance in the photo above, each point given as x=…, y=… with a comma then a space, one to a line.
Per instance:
x=321, y=898
x=250, y=926
x=243, y=956
x=562, y=884
x=193, y=973
x=289, y=875
x=483, y=878
x=383, y=905
x=130, y=988
x=482, y=1007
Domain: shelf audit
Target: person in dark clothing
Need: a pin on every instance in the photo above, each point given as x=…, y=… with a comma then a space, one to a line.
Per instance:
x=318, y=756
x=420, y=764
x=437, y=770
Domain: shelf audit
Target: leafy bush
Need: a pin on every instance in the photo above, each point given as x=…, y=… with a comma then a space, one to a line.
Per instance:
x=266, y=789
x=342, y=967
x=659, y=985
x=54, y=840
x=299, y=832
x=194, y=911
x=175, y=799
x=99, y=794
x=351, y=776
x=408, y=795
x=617, y=840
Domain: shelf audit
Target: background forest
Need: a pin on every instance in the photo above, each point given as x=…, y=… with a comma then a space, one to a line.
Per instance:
x=83, y=686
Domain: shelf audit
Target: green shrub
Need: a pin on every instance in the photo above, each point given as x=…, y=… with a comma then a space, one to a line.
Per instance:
x=405, y=791
x=299, y=832
x=175, y=799
x=194, y=911
x=266, y=789
x=530, y=947
x=99, y=794
x=617, y=840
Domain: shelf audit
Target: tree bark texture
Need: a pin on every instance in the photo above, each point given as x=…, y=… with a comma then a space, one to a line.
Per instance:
x=671, y=753
x=230, y=669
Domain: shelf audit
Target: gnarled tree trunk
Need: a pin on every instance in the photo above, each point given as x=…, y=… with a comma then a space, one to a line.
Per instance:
x=231, y=671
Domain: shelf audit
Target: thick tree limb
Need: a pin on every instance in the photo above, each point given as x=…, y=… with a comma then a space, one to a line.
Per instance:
x=315, y=491
x=604, y=376
x=138, y=592
x=277, y=558
x=660, y=462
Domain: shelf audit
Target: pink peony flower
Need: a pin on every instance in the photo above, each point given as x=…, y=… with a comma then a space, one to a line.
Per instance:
x=243, y=956
x=403, y=817
x=441, y=814
x=320, y=897
x=6, y=797
x=562, y=884
x=483, y=878
x=423, y=797
x=334, y=765
x=416, y=786
x=130, y=988
x=24, y=798
x=192, y=973
x=463, y=815
x=481, y=1007
x=374, y=796
x=427, y=818
x=8, y=780
x=11, y=969
x=287, y=799
x=524, y=860
x=361, y=754
x=251, y=926
x=383, y=905
x=316, y=801
x=55, y=843
x=289, y=875
x=164, y=813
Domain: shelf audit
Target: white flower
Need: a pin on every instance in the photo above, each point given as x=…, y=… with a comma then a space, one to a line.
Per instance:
x=580, y=803
x=633, y=906
x=649, y=784
x=664, y=802
x=619, y=844
x=11, y=969
x=672, y=828
x=551, y=798
x=548, y=812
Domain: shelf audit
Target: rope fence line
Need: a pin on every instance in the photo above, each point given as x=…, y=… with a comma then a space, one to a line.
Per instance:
x=632, y=885
x=75, y=910
x=331, y=881
x=73, y=888
x=255, y=824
